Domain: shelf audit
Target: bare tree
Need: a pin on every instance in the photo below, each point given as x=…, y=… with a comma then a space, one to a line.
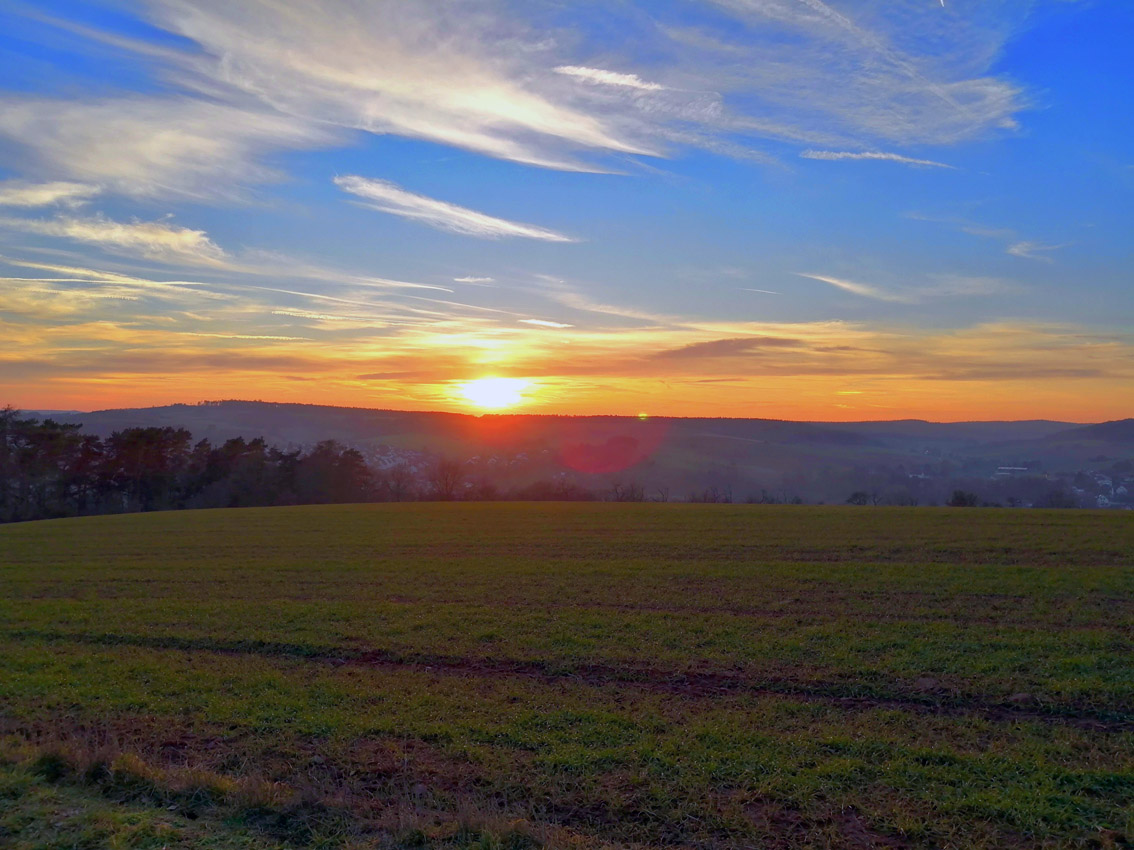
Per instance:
x=401, y=483
x=446, y=478
x=631, y=491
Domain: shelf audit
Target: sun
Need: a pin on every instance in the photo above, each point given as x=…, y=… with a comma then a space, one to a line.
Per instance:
x=494, y=393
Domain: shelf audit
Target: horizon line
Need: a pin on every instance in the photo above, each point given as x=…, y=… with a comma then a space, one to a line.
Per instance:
x=497, y=414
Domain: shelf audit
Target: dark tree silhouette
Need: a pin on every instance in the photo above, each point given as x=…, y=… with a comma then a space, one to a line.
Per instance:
x=446, y=478
x=963, y=499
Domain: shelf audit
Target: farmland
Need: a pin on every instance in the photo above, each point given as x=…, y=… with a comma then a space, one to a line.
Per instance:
x=583, y=675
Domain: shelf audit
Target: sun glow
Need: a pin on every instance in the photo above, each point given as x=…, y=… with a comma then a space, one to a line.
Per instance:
x=494, y=393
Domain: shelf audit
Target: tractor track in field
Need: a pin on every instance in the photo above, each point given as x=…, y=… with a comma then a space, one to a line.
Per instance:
x=798, y=613
x=695, y=684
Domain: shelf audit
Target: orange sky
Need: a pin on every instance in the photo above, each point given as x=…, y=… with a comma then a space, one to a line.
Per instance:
x=738, y=209
x=831, y=371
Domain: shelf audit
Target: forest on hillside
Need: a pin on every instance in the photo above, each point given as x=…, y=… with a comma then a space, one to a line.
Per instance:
x=51, y=469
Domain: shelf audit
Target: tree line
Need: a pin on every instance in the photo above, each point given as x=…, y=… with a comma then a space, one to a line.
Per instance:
x=50, y=469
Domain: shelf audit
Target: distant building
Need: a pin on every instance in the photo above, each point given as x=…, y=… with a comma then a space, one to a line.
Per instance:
x=1009, y=471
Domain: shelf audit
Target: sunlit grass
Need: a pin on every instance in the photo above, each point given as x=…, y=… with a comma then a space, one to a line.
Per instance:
x=713, y=675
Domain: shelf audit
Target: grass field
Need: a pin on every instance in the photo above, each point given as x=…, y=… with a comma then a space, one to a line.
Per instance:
x=568, y=675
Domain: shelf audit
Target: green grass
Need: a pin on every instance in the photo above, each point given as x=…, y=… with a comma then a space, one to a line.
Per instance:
x=573, y=675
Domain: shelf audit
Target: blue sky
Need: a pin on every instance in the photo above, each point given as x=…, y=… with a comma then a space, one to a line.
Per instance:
x=786, y=208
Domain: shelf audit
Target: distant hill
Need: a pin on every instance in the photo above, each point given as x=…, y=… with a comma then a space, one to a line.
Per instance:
x=823, y=460
x=282, y=424
x=298, y=423
x=1118, y=431
x=982, y=432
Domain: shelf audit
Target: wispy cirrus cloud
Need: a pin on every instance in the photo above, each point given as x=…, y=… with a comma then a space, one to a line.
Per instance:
x=871, y=71
x=864, y=290
x=1032, y=250
x=929, y=286
x=598, y=76
x=107, y=329
x=154, y=240
x=1014, y=245
x=23, y=193
x=730, y=347
x=545, y=323
x=273, y=337
x=494, y=78
x=75, y=272
x=384, y=196
x=878, y=156
x=459, y=73
x=800, y=365
x=193, y=249
x=153, y=146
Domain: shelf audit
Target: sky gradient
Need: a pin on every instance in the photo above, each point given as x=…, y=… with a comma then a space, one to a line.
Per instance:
x=868, y=209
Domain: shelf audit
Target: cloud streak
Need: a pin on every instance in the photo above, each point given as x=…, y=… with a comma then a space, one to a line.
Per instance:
x=21, y=193
x=496, y=79
x=598, y=76
x=544, y=323
x=1032, y=250
x=792, y=367
x=934, y=286
x=863, y=290
x=154, y=240
x=458, y=73
x=153, y=146
x=730, y=347
x=877, y=156
x=388, y=197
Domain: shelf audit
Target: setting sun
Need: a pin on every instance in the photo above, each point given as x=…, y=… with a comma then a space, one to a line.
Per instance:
x=494, y=393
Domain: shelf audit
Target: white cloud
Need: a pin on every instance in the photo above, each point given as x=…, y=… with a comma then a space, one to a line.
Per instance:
x=880, y=71
x=864, y=290
x=388, y=197
x=935, y=286
x=151, y=146
x=543, y=323
x=246, y=336
x=474, y=280
x=1032, y=250
x=1014, y=245
x=21, y=193
x=608, y=78
x=459, y=73
x=100, y=276
x=154, y=240
x=514, y=82
x=494, y=78
x=874, y=155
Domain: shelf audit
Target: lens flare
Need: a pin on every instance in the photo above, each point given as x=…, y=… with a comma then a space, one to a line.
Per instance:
x=494, y=393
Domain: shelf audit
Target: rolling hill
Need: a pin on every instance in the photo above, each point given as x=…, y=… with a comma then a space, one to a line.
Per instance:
x=818, y=461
